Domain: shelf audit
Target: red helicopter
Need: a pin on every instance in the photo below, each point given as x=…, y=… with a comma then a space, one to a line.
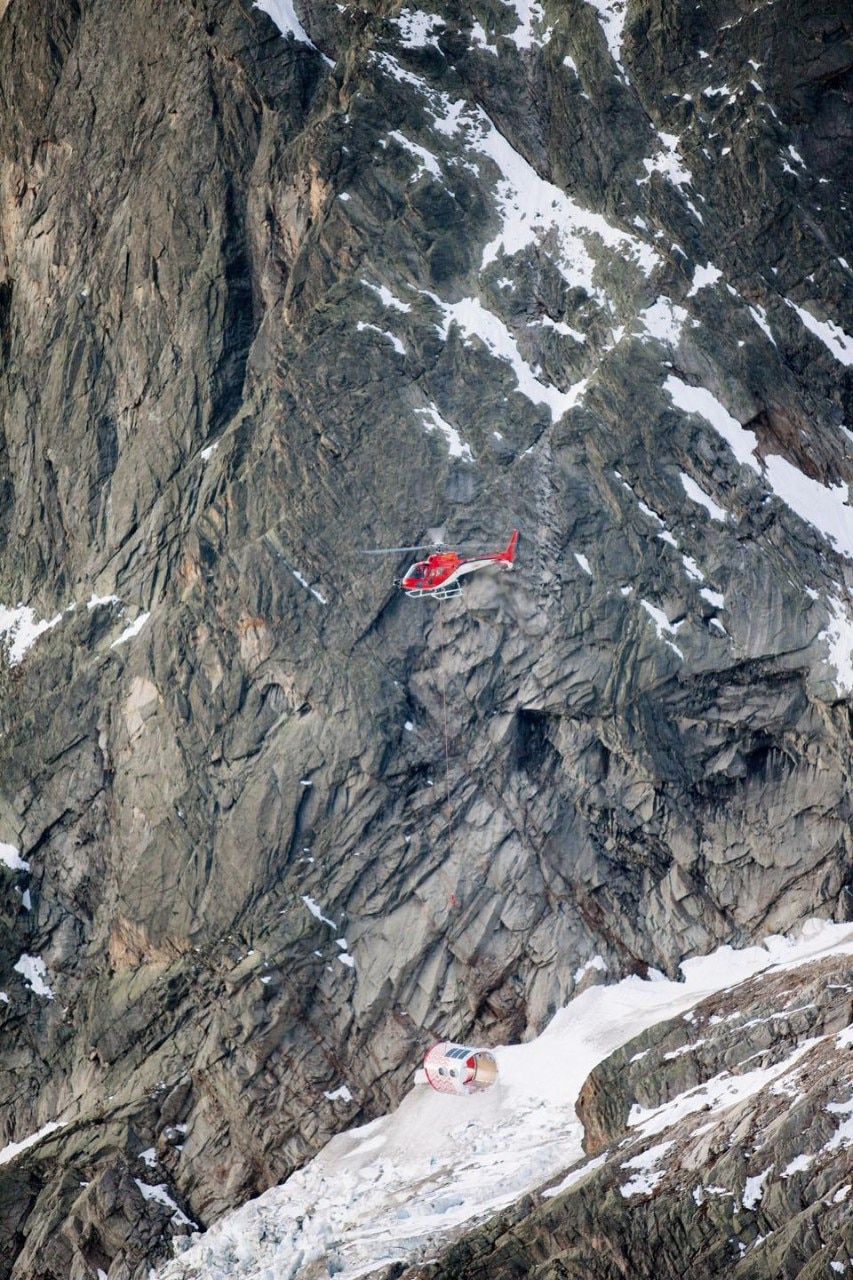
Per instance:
x=438, y=576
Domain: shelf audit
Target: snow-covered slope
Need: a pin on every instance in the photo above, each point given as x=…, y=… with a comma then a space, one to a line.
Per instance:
x=400, y=1188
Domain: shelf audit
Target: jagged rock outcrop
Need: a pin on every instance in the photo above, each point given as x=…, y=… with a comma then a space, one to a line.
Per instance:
x=264, y=302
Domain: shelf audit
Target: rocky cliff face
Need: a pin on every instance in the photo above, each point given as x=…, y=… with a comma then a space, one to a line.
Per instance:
x=400, y=275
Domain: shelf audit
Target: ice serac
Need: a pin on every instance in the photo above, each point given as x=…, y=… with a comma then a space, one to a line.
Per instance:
x=385, y=277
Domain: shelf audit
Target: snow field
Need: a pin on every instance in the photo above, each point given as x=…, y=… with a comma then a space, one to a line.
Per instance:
x=704, y=278
x=664, y=321
x=418, y=29
x=405, y=1184
x=663, y=626
x=532, y=210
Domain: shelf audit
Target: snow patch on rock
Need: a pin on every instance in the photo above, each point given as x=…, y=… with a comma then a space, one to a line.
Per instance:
x=456, y=446
x=833, y=337
x=19, y=630
x=34, y=972
x=698, y=495
x=11, y=858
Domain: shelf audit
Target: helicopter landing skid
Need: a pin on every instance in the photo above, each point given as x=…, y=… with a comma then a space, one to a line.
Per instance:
x=448, y=592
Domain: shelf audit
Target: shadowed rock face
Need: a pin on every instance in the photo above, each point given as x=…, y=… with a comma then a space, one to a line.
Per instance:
x=259, y=311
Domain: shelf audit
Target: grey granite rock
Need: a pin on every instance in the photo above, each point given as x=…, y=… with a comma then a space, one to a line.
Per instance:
x=250, y=287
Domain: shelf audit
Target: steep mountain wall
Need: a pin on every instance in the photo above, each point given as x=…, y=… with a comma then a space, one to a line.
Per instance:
x=267, y=300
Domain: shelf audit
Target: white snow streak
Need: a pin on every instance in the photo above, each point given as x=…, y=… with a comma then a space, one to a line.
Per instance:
x=715, y=598
x=475, y=320
x=559, y=326
x=284, y=16
x=576, y=1176
x=15, y=1148
x=703, y=499
x=160, y=1195
x=663, y=626
x=131, y=631
x=839, y=640
x=839, y=343
x=317, y=911
x=824, y=506
x=456, y=446
x=303, y=582
x=647, y=1177
x=19, y=630
x=383, y=333
x=698, y=400
x=611, y=15
x=759, y=315
x=721, y=1091
x=386, y=297
x=843, y=1136
x=427, y=160
x=533, y=210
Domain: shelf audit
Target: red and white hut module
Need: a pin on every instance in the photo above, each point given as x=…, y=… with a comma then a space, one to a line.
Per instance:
x=453, y=1068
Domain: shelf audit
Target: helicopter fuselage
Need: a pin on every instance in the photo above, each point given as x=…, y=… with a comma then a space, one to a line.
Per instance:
x=439, y=574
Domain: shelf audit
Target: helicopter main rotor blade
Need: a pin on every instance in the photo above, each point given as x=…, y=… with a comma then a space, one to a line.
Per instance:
x=393, y=551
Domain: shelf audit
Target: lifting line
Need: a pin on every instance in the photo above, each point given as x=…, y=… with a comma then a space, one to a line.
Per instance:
x=453, y=901
x=452, y=897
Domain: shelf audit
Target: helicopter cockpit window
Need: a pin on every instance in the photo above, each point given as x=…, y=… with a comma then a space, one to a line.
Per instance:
x=416, y=571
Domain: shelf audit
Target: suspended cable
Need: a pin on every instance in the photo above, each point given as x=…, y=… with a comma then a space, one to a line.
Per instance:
x=452, y=897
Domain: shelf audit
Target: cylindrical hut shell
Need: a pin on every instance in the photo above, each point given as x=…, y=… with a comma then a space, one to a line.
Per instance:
x=454, y=1068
